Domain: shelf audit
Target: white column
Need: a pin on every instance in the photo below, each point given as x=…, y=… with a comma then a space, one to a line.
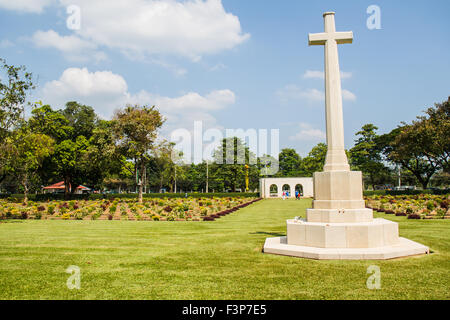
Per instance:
x=336, y=159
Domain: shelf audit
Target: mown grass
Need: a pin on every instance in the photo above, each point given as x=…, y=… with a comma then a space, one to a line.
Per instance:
x=206, y=260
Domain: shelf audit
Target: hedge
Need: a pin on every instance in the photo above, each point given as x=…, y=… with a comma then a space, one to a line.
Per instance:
x=45, y=197
x=405, y=192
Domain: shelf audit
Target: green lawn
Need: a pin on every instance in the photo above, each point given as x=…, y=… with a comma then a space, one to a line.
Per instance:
x=206, y=260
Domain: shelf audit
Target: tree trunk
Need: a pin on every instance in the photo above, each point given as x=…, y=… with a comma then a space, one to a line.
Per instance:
x=25, y=189
x=141, y=184
x=66, y=187
x=424, y=183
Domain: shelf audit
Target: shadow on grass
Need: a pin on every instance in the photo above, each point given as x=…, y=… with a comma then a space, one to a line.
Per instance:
x=11, y=221
x=273, y=234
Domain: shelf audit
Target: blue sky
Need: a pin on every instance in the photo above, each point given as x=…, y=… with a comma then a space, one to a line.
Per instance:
x=234, y=63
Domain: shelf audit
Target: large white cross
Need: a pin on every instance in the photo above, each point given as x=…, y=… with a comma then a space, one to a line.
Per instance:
x=336, y=159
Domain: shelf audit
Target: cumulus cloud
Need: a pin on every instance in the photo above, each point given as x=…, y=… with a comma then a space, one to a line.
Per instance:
x=106, y=92
x=144, y=28
x=31, y=6
x=74, y=48
x=348, y=95
x=312, y=96
x=81, y=82
x=314, y=74
x=293, y=92
x=308, y=133
x=5, y=43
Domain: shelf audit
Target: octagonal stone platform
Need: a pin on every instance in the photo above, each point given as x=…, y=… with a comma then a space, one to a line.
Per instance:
x=377, y=239
x=339, y=215
x=403, y=248
x=377, y=233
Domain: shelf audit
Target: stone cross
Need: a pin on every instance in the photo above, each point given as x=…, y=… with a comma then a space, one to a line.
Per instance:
x=336, y=159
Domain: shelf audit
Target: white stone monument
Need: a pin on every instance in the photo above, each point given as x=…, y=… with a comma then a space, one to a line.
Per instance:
x=339, y=226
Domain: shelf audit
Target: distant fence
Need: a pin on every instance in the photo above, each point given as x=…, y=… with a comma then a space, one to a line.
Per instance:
x=405, y=192
x=50, y=197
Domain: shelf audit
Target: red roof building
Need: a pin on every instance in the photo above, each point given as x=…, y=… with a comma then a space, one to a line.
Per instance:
x=60, y=187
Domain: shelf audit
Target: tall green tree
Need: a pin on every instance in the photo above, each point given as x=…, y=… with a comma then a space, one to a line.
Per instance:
x=136, y=130
x=15, y=85
x=366, y=155
x=102, y=155
x=75, y=160
x=290, y=163
x=28, y=150
x=432, y=133
x=70, y=160
x=422, y=147
x=81, y=118
x=228, y=169
x=315, y=160
x=401, y=147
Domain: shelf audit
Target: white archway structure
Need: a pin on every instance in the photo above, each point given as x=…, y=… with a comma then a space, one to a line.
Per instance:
x=265, y=186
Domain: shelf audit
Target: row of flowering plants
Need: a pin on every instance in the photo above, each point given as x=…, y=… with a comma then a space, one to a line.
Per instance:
x=421, y=206
x=163, y=209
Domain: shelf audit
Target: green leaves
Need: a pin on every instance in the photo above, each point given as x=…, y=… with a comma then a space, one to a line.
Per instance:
x=13, y=93
x=422, y=147
x=136, y=129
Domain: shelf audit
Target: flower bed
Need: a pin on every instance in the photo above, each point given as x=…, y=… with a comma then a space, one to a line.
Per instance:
x=422, y=206
x=163, y=209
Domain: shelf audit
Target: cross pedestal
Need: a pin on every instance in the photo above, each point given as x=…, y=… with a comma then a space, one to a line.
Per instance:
x=339, y=226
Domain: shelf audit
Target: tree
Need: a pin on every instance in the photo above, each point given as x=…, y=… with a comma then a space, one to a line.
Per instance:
x=70, y=160
x=13, y=94
x=401, y=147
x=228, y=169
x=81, y=118
x=135, y=130
x=102, y=157
x=432, y=132
x=422, y=147
x=28, y=150
x=366, y=155
x=52, y=123
x=290, y=163
x=315, y=160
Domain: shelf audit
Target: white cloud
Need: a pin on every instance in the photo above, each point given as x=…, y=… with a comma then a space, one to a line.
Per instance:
x=346, y=75
x=106, y=92
x=31, y=6
x=308, y=133
x=215, y=100
x=143, y=28
x=81, y=82
x=5, y=43
x=218, y=67
x=313, y=74
x=312, y=96
x=293, y=92
x=74, y=48
x=347, y=95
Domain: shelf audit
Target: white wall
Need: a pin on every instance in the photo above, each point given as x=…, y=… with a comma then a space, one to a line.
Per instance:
x=307, y=183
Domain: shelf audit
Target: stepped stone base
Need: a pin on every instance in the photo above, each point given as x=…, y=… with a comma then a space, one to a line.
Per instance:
x=339, y=227
x=403, y=248
x=339, y=215
x=338, y=190
x=378, y=233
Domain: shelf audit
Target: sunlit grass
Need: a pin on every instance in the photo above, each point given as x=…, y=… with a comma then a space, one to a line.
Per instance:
x=206, y=260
